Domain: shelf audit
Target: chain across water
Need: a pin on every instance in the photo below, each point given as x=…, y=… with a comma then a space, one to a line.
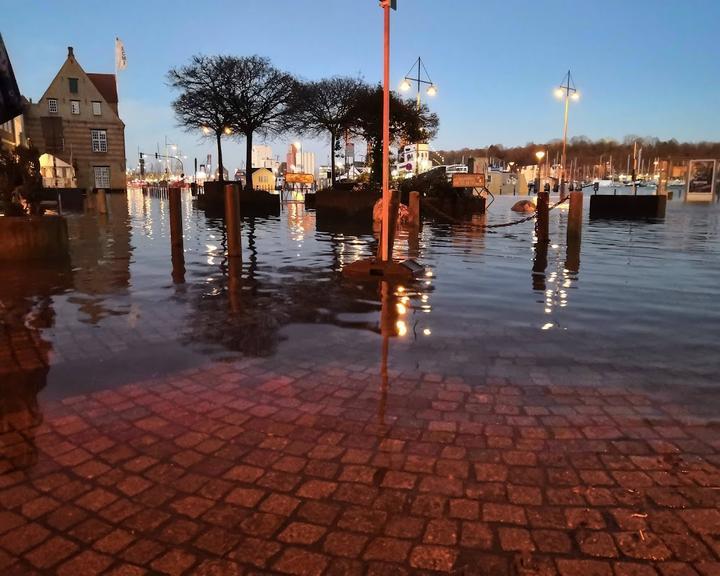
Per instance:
x=487, y=226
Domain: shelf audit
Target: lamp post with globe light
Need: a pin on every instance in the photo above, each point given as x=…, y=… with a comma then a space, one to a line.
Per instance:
x=431, y=90
x=566, y=91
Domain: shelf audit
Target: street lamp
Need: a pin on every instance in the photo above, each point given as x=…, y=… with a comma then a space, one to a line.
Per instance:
x=566, y=91
x=420, y=81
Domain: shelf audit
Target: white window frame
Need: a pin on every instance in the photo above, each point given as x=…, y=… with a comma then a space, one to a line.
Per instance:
x=98, y=138
x=53, y=105
x=97, y=108
x=72, y=107
x=101, y=176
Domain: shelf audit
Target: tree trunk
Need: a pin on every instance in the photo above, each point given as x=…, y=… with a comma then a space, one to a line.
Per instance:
x=221, y=176
x=248, y=163
x=332, y=159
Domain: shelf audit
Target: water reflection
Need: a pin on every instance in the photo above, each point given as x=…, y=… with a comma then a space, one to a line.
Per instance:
x=101, y=253
x=26, y=303
x=116, y=301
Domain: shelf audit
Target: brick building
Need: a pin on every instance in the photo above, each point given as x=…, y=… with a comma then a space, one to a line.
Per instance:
x=77, y=121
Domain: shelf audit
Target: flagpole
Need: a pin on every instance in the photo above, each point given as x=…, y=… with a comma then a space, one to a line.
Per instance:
x=117, y=76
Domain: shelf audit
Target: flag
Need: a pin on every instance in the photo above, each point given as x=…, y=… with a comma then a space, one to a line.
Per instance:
x=10, y=99
x=120, y=56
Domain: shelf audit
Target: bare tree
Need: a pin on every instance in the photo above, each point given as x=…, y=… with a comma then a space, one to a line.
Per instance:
x=206, y=95
x=326, y=106
x=261, y=102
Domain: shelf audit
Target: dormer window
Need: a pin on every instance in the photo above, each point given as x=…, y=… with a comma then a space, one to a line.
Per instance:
x=52, y=105
x=73, y=84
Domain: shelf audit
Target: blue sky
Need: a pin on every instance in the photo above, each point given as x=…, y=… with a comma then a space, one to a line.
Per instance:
x=646, y=67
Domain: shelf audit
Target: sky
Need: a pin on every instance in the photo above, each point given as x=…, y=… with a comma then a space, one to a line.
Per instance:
x=643, y=67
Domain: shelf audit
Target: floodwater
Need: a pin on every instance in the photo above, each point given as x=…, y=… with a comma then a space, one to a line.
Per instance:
x=636, y=304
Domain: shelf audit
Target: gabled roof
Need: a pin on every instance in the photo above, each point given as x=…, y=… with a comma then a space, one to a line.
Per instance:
x=105, y=83
x=260, y=168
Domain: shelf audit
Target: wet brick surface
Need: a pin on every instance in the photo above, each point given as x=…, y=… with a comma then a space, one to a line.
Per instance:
x=261, y=467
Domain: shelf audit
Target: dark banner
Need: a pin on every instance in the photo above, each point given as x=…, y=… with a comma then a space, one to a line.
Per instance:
x=10, y=99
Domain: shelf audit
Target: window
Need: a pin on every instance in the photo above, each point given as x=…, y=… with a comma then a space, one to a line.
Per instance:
x=75, y=106
x=99, y=140
x=97, y=108
x=102, y=176
x=52, y=105
x=73, y=83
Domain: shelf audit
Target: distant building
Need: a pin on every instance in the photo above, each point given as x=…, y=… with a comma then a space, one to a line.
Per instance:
x=77, y=121
x=308, y=163
x=299, y=161
x=413, y=159
x=263, y=179
x=262, y=157
x=12, y=133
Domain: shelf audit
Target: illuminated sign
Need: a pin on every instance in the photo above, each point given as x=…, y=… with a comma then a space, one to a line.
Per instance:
x=468, y=180
x=299, y=178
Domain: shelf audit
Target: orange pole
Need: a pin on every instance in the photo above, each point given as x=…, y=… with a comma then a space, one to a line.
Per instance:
x=385, y=248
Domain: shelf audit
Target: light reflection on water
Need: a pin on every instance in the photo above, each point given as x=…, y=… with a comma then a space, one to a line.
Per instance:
x=635, y=304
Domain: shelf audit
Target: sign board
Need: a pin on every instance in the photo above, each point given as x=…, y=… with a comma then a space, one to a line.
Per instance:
x=701, y=180
x=299, y=178
x=468, y=180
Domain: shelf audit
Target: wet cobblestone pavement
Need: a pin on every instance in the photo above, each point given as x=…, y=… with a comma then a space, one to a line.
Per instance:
x=258, y=468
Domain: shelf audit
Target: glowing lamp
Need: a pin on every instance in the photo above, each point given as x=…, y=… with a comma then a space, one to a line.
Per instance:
x=405, y=86
x=432, y=90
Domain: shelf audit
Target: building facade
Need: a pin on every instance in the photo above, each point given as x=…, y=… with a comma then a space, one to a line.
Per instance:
x=263, y=179
x=12, y=133
x=77, y=121
x=262, y=157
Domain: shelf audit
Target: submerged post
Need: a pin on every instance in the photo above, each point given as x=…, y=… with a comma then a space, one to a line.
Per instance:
x=176, y=235
x=101, y=201
x=232, y=221
x=542, y=224
x=414, y=208
x=176, y=231
x=574, y=228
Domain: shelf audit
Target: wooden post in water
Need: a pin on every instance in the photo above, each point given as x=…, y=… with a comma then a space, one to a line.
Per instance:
x=574, y=227
x=176, y=235
x=232, y=221
x=414, y=208
x=101, y=201
x=574, y=232
x=176, y=229
x=542, y=223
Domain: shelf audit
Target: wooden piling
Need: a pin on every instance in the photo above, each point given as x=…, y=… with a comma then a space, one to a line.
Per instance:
x=176, y=227
x=574, y=227
x=101, y=201
x=414, y=208
x=232, y=221
x=542, y=223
